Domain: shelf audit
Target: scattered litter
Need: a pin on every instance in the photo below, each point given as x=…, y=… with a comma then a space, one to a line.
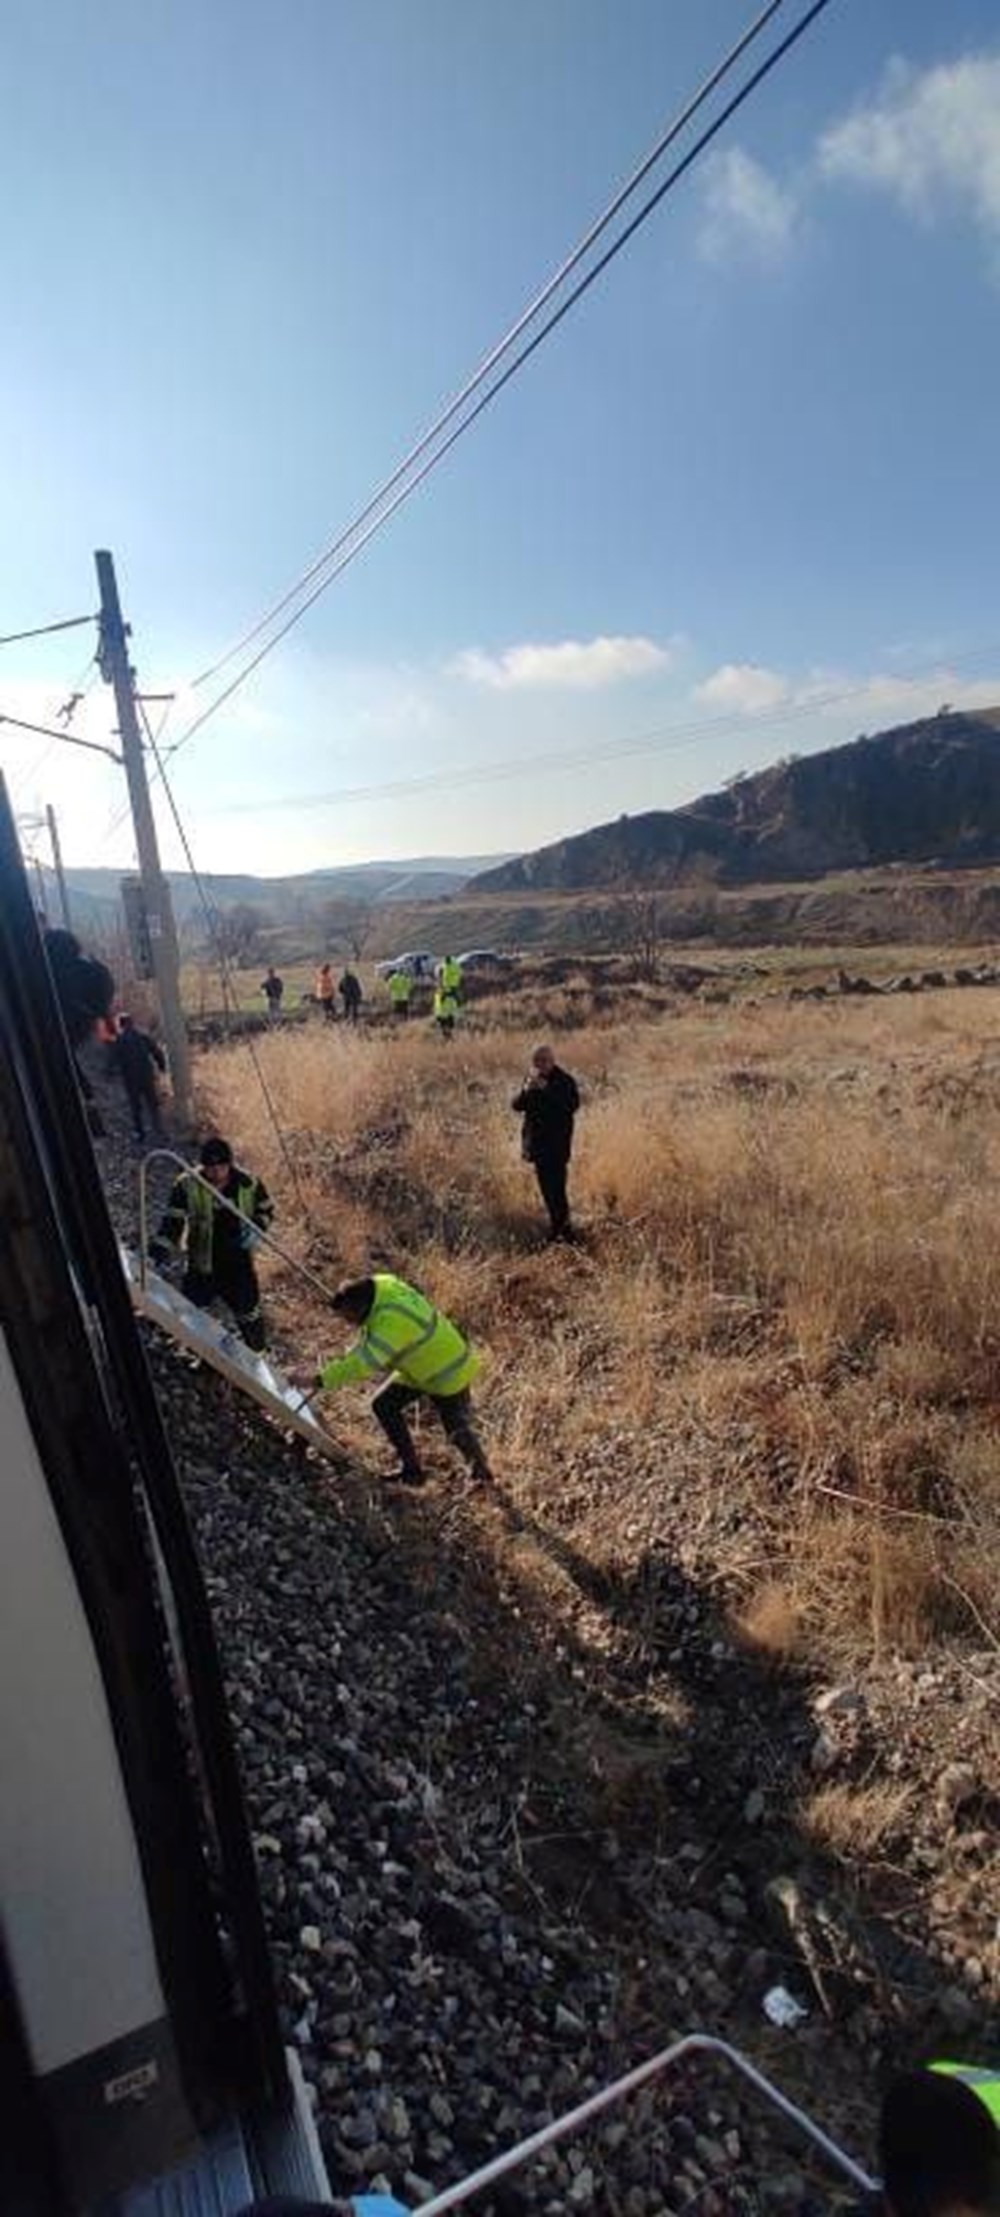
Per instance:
x=782, y=2009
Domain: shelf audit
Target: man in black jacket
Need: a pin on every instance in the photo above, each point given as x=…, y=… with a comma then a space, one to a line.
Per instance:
x=548, y=1102
x=85, y=990
x=137, y=1058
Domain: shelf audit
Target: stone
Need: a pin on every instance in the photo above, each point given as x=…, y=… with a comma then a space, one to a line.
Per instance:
x=823, y=1755
x=956, y=1785
x=838, y=1701
x=958, y=2009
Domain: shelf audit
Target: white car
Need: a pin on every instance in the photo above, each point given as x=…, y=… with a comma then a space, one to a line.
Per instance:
x=417, y=962
x=484, y=958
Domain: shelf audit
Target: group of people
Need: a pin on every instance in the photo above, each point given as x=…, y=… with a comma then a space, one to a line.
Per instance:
x=325, y=992
x=399, y=984
x=217, y=1212
x=447, y=1003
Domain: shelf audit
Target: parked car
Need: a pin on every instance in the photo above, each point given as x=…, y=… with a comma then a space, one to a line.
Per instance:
x=484, y=958
x=417, y=962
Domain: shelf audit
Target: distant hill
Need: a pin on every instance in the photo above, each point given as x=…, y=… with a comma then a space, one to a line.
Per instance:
x=95, y=893
x=921, y=792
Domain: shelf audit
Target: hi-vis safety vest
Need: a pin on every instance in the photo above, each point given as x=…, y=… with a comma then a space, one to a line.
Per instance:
x=193, y=1204
x=981, y=2081
x=451, y=974
x=445, y=1005
x=406, y=1334
x=400, y=986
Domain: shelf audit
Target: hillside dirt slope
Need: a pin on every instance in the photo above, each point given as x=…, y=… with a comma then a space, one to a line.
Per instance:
x=929, y=789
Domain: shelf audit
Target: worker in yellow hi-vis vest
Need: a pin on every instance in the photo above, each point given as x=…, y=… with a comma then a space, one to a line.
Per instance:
x=400, y=991
x=423, y=1357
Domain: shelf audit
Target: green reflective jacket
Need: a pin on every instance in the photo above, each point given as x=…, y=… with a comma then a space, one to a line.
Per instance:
x=191, y=1209
x=406, y=1334
x=400, y=985
x=450, y=974
x=982, y=2081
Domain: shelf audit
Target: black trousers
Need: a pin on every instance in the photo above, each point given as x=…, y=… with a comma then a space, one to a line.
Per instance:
x=454, y=1411
x=552, y=1171
x=237, y=1286
x=141, y=1097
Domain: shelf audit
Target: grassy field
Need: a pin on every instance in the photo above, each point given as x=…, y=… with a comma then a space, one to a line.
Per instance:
x=781, y=1328
x=746, y=972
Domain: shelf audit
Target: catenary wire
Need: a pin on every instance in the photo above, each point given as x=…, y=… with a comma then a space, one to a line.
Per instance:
x=504, y=344
x=43, y=631
x=662, y=738
x=493, y=390
x=65, y=738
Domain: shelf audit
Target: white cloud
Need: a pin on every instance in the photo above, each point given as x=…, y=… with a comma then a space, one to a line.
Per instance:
x=575, y=665
x=819, y=698
x=747, y=688
x=746, y=210
x=931, y=140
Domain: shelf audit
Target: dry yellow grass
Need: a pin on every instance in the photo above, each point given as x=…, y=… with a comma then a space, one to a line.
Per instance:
x=787, y=1300
x=859, y=1821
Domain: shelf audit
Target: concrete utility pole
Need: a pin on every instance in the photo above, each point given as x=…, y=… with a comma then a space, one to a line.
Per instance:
x=116, y=670
x=57, y=864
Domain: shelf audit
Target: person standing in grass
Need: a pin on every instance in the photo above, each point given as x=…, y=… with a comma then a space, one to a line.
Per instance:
x=548, y=1102
x=423, y=1357
x=350, y=993
x=273, y=989
x=324, y=991
x=445, y=1011
x=449, y=972
x=400, y=991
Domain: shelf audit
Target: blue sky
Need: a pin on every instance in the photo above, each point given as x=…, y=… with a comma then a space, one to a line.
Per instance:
x=741, y=503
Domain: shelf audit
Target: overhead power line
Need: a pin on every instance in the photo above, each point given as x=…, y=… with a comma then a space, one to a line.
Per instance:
x=342, y=553
x=504, y=344
x=43, y=631
x=65, y=738
x=663, y=738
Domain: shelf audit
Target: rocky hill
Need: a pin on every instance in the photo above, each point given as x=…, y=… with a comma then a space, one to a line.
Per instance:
x=921, y=792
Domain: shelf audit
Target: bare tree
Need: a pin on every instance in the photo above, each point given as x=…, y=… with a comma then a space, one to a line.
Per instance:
x=638, y=925
x=236, y=932
x=349, y=927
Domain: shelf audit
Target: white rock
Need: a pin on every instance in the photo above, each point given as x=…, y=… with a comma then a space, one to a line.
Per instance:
x=838, y=1701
